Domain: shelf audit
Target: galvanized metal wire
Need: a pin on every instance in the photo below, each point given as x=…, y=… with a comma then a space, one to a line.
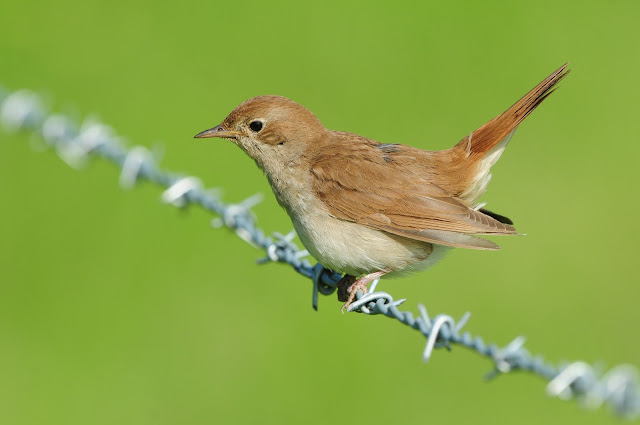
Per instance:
x=24, y=111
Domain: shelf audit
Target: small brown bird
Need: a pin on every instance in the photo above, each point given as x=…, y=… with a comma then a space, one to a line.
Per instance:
x=366, y=208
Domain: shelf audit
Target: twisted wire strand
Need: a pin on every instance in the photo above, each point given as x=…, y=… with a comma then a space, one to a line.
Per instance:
x=23, y=110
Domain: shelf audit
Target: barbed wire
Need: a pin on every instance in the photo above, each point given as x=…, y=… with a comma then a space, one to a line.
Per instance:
x=23, y=110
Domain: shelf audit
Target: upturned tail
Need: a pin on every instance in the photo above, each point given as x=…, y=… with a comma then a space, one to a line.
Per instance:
x=489, y=135
x=482, y=148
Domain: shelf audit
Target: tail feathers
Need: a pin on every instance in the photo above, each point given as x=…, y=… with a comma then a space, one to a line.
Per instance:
x=483, y=147
x=485, y=138
x=500, y=218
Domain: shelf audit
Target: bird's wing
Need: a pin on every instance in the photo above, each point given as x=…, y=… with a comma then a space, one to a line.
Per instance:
x=389, y=197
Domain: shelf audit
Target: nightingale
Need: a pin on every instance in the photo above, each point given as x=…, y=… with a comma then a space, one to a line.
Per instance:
x=368, y=209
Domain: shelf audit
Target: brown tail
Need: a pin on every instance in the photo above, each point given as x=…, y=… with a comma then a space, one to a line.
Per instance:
x=489, y=135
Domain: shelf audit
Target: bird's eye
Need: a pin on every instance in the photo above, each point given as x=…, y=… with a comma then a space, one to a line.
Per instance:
x=255, y=126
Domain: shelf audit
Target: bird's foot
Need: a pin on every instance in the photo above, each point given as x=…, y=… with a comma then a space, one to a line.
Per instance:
x=343, y=287
x=361, y=283
x=353, y=290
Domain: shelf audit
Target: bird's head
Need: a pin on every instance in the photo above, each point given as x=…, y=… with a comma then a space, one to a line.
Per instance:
x=273, y=130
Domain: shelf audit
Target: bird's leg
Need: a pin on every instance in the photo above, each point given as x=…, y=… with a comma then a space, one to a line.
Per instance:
x=360, y=284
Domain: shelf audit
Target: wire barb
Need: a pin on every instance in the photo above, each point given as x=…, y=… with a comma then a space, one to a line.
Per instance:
x=177, y=192
x=131, y=165
x=23, y=110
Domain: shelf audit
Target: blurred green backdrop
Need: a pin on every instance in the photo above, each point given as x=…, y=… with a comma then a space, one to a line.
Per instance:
x=115, y=308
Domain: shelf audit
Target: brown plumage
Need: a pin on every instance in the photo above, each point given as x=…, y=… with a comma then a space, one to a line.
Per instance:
x=396, y=194
x=362, y=207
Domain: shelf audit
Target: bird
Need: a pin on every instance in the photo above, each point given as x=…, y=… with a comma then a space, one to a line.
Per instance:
x=368, y=209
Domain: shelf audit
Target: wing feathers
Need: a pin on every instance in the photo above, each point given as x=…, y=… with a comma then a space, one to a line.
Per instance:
x=393, y=199
x=443, y=237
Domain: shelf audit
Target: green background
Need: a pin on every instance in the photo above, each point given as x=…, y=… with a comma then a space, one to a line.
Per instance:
x=117, y=309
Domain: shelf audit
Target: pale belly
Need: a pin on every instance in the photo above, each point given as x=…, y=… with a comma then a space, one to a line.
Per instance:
x=350, y=248
x=346, y=247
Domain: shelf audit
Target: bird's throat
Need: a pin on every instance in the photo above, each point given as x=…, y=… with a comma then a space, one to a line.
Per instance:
x=292, y=188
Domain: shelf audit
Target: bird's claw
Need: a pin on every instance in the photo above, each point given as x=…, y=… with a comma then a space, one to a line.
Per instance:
x=353, y=290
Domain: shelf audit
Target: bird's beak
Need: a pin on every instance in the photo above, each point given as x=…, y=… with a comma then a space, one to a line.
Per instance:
x=217, y=131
